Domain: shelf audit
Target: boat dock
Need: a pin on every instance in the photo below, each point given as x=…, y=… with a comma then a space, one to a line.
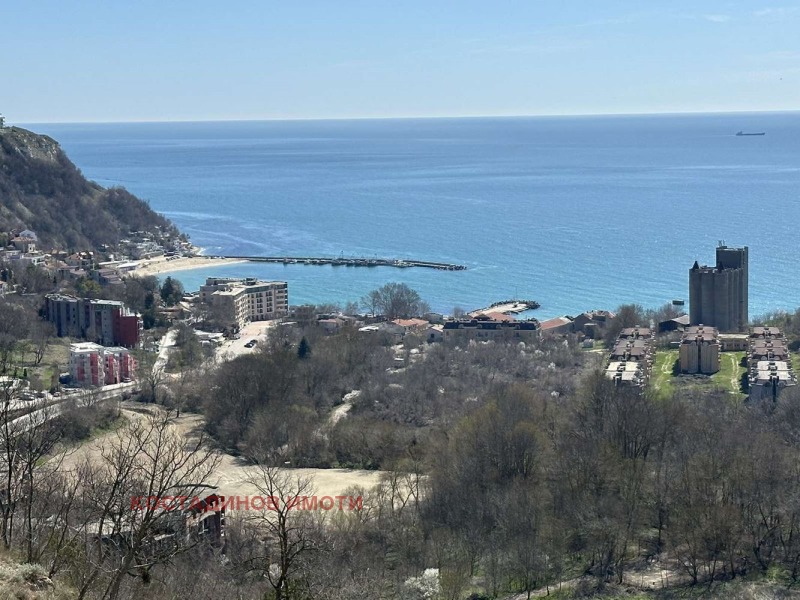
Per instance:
x=342, y=261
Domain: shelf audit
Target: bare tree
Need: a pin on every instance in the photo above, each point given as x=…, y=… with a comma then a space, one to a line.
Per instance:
x=145, y=459
x=150, y=371
x=286, y=530
x=395, y=300
x=41, y=334
x=26, y=438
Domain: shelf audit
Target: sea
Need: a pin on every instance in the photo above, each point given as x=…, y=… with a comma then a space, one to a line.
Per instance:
x=576, y=213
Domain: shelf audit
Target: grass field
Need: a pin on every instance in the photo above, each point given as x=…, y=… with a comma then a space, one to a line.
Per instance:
x=663, y=372
x=729, y=378
x=730, y=373
x=55, y=360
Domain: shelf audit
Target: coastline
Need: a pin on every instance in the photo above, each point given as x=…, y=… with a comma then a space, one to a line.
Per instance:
x=157, y=266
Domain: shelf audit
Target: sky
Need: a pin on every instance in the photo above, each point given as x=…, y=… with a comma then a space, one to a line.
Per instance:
x=102, y=61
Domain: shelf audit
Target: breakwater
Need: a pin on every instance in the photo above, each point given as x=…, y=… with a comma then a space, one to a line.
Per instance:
x=342, y=261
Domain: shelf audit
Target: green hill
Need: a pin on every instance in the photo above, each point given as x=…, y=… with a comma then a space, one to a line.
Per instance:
x=40, y=189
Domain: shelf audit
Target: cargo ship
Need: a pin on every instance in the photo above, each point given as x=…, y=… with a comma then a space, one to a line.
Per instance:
x=741, y=133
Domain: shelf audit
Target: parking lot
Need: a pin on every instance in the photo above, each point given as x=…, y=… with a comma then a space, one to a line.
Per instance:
x=256, y=330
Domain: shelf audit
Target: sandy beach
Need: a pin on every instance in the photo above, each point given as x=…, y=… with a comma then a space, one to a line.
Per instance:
x=157, y=266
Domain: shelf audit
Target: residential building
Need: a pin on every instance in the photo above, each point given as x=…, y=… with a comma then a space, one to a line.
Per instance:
x=434, y=333
x=24, y=244
x=699, y=350
x=734, y=342
x=769, y=364
x=388, y=329
x=485, y=329
x=120, y=365
x=331, y=325
x=107, y=277
x=631, y=359
x=93, y=365
x=718, y=295
x=106, y=322
x=37, y=259
x=591, y=323
x=82, y=260
x=62, y=311
x=559, y=325
x=244, y=300
x=412, y=325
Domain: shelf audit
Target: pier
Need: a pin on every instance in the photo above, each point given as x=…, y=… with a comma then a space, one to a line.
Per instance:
x=342, y=261
x=507, y=307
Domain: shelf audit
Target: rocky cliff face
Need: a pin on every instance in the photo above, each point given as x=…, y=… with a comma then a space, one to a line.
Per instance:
x=30, y=145
x=40, y=189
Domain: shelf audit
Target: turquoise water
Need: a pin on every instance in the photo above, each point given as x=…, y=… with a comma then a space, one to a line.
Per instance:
x=577, y=213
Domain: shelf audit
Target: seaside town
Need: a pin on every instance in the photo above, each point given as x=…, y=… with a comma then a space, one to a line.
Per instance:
x=108, y=330
x=304, y=409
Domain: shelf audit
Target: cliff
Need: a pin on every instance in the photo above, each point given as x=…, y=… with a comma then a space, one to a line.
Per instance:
x=40, y=189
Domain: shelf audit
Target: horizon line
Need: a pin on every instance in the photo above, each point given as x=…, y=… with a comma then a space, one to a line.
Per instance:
x=411, y=117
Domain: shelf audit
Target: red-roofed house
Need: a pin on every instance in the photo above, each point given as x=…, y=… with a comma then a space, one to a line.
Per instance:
x=558, y=325
x=412, y=324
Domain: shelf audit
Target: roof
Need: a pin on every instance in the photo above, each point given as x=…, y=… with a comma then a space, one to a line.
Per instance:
x=85, y=347
x=411, y=323
x=765, y=332
x=635, y=332
x=498, y=316
x=553, y=323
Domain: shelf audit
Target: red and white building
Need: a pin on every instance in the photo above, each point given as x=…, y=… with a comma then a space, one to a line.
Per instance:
x=93, y=365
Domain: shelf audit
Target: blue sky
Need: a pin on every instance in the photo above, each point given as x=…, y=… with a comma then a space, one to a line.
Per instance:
x=176, y=60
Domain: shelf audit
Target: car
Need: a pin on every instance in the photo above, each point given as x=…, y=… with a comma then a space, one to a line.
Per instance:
x=251, y=343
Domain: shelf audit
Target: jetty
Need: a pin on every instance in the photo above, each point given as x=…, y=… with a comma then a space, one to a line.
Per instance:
x=507, y=307
x=343, y=261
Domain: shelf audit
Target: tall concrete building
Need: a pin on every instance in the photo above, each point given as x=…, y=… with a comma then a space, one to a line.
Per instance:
x=718, y=294
x=699, y=350
x=106, y=322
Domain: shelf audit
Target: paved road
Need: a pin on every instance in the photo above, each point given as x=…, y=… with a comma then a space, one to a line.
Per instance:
x=167, y=342
x=80, y=400
x=49, y=406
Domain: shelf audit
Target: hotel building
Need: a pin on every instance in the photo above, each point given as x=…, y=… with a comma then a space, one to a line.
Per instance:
x=244, y=300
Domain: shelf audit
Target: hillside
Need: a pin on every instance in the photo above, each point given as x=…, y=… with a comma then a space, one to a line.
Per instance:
x=40, y=189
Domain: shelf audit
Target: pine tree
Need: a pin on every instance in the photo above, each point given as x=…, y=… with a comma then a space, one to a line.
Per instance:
x=304, y=349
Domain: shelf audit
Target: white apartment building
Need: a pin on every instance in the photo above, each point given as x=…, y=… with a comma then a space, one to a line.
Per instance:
x=244, y=300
